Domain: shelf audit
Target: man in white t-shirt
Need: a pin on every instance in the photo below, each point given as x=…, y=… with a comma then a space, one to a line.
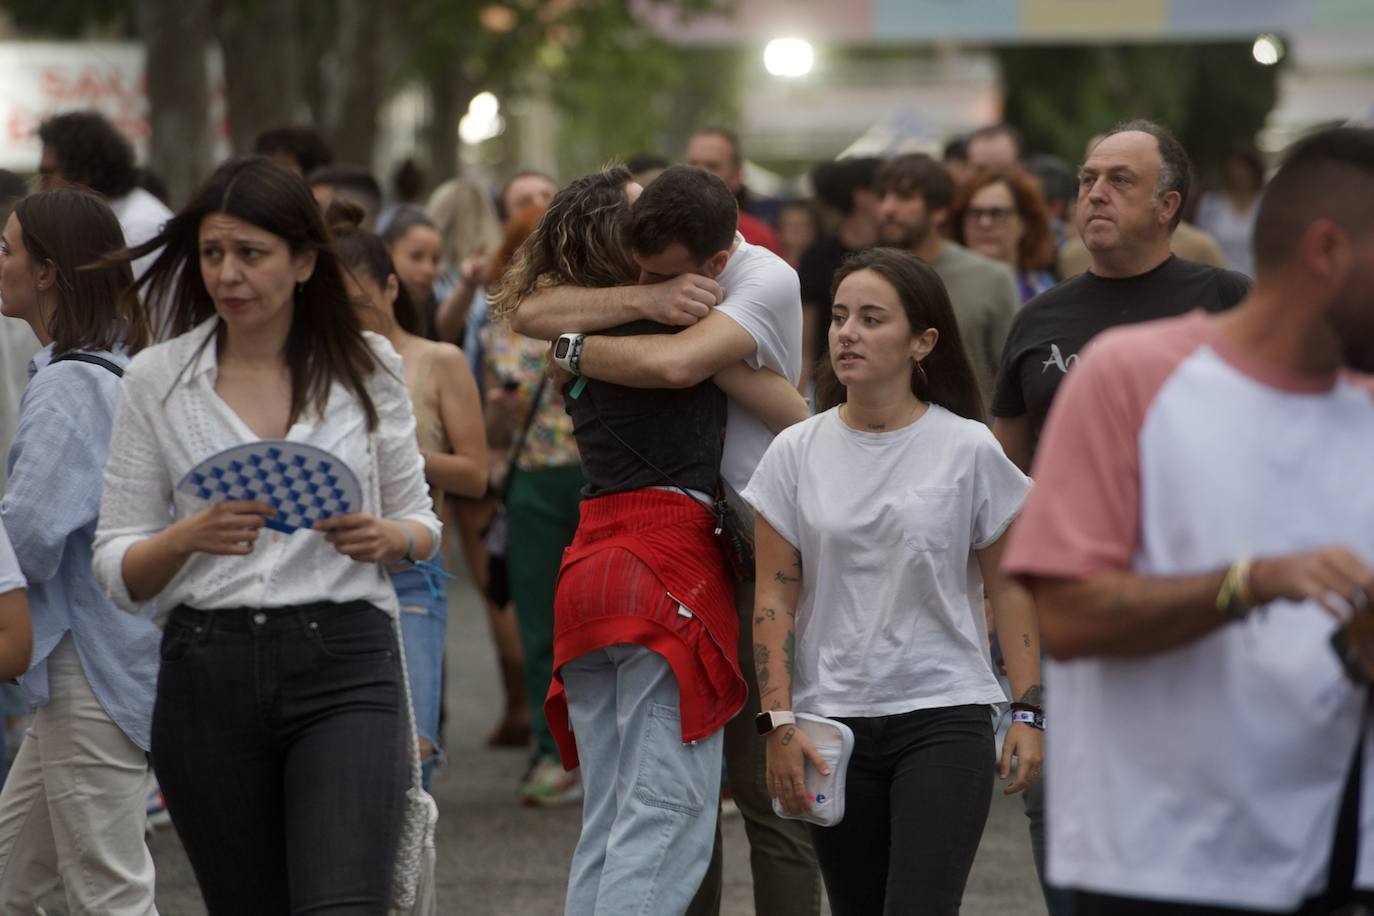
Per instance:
x=1202, y=524
x=742, y=303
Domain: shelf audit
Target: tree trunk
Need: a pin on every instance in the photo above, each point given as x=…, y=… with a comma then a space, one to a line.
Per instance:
x=355, y=91
x=449, y=95
x=175, y=36
x=262, y=69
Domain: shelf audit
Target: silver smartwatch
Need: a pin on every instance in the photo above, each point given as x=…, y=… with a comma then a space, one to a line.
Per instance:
x=765, y=722
x=567, y=352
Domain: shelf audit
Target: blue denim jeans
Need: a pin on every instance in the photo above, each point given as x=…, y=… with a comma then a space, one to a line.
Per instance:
x=278, y=741
x=649, y=817
x=424, y=620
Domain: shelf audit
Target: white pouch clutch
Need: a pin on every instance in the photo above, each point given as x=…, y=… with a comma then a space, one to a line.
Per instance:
x=834, y=741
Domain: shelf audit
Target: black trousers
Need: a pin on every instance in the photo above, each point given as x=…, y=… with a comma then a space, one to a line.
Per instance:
x=278, y=741
x=916, y=800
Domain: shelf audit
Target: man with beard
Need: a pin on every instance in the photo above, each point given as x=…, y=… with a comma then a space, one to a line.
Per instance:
x=915, y=193
x=1200, y=527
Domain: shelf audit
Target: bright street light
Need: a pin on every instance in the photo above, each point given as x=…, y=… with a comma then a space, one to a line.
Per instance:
x=789, y=57
x=1267, y=50
x=483, y=120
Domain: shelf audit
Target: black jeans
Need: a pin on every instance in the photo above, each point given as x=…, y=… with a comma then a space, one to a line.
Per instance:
x=278, y=741
x=916, y=801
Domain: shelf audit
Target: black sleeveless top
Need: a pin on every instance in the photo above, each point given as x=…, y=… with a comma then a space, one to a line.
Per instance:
x=679, y=431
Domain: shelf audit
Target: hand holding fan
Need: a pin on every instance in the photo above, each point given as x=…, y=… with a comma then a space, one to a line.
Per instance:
x=303, y=483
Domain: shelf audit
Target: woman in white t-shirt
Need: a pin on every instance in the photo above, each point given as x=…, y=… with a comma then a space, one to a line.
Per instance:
x=880, y=524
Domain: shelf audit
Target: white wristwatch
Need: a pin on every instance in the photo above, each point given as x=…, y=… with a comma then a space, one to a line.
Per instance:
x=765, y=722
x=567, y=352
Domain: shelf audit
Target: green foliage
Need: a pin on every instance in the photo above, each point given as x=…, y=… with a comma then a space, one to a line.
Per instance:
x=1213, y=96
x=622, y=92
x=72, y=18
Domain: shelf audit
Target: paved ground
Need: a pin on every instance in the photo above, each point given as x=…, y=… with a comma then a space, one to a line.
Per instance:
x=499, y=859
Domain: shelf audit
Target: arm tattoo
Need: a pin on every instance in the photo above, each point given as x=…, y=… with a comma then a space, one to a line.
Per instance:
x=761, y=666
x=1032, y=696
x=784, y=577
x=787, y=735
x=1025, y=640
x=789, y=645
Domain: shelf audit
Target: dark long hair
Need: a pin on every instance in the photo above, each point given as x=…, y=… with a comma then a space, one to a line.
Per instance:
x=75, y=230
x=946, y=376
x=325, y=343
x=366, y=252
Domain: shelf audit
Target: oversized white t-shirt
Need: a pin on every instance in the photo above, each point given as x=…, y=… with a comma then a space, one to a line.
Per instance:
x=890, y=614
x=11, y=577
x=762, y=295
x=1210, y=773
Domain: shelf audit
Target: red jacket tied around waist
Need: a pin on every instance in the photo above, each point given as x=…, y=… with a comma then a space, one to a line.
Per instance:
x=645, y=569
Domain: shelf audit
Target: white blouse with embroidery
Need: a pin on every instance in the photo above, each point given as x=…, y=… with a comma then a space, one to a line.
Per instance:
x=170, y=419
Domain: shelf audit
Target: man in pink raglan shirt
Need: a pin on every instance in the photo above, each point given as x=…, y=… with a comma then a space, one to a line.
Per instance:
x=1201, y=525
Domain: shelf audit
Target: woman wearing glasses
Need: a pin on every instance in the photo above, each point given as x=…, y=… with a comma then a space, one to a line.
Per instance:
x=1001, y=213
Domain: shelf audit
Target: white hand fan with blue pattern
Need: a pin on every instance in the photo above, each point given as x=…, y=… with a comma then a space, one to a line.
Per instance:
x=303, y=483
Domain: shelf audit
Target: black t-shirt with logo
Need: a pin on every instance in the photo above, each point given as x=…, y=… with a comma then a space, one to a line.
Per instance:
x=680, y=432
x=1052, y=328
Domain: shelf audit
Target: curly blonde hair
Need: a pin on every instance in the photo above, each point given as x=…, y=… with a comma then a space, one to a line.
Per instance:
x=581, y=240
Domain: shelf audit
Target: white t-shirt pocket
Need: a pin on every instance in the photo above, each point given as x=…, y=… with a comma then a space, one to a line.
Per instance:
x=931, y=519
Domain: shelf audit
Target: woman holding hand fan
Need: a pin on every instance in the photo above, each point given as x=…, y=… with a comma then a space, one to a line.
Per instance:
x=278, y=732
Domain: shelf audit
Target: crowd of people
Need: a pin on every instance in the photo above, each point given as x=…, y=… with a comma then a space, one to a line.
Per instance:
x=714, y=461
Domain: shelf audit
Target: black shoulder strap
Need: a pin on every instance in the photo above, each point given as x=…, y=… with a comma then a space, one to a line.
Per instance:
x=88, y=358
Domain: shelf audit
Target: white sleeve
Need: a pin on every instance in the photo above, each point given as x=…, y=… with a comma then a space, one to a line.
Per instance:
x=400, y=466
x=999, y=489
x=137, y=500
x=772, y=491
x=11, y=578
x=767, y=304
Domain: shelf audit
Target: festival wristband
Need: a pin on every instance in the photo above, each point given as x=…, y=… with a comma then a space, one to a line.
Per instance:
x=1033, y=719
x=1235, y=598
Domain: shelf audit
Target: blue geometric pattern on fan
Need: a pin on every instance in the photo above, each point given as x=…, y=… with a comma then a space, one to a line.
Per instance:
x=303, y=483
